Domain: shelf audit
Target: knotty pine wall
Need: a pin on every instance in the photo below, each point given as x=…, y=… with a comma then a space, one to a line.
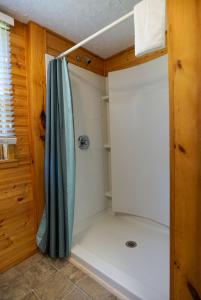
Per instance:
x=184, y=44
x=17, y=222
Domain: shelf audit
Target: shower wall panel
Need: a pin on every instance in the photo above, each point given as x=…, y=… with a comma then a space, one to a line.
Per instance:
x=87, y=89
x=139, y=119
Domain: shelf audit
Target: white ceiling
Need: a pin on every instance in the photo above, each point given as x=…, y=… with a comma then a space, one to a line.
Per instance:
x=77, y=19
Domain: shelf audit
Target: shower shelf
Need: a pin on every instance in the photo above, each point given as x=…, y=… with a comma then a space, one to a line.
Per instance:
x=105, y=98
x=107, y=147
x=108, y=194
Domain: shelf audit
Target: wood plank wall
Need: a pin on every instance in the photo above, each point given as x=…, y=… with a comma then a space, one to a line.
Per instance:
x=36, y=40
x=17, y=213
x=184, y=46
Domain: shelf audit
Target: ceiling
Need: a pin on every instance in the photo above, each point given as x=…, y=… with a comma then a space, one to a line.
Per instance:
x=77, y=19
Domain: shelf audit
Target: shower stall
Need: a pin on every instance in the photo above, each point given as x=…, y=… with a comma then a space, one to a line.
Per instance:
x=121, y=223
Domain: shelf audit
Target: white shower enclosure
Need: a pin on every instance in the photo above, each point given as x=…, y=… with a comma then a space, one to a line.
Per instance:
x=139, y=128
x=130, y=127
x=138, y=143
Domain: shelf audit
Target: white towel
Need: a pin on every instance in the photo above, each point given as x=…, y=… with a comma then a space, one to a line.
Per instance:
x=150, y=26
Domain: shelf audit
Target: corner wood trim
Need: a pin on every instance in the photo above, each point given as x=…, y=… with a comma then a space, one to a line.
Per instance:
x=36, y=37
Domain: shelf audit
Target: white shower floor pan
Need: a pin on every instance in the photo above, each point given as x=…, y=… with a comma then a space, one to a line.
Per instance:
x=140, y=273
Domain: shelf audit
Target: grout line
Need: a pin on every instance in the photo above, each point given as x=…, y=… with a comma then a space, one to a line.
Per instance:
x=36, y=294
x=49, y=261
x=83, y=292
x=74, y=284
x=69, y=292
x=52, y=265
x=82, y=277
x=27, y=291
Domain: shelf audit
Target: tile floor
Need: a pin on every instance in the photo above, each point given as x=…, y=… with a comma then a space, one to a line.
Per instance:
x=42, y=278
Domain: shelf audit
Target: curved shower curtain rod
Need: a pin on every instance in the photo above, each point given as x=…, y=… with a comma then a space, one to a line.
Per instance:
x=99, y=32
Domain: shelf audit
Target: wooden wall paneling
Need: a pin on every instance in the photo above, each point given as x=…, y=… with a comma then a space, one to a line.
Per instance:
x=184, y=44
x=17, y=230
x=36, y=81
x=56, y=44
x=127, y=59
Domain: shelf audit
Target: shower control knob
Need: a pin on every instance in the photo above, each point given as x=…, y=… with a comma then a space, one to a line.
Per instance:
x=83, y=142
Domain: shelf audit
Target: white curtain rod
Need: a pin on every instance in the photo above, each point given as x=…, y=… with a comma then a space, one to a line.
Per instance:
x=7, y=19
x=91, y=37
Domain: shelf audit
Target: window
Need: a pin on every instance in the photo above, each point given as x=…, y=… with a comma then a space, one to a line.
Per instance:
x=7, y=130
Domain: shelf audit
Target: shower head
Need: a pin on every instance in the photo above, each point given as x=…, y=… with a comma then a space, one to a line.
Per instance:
x=85, y=59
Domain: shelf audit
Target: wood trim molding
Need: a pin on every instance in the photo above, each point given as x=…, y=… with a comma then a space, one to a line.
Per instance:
x=36, y=84
x=127, y=59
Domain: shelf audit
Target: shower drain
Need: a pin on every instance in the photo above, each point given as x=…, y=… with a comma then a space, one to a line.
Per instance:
x=131, y=244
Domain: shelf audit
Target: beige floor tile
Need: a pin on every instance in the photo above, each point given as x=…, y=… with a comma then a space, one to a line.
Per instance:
x=10, y=274
x=38, y=273
x=30, y=296
x=27, y=263
x=94, y=289
x=50, y=279
x=76, y=294
x=58, y=263
x=55, y=288
x=72, y=272
x=13, y=286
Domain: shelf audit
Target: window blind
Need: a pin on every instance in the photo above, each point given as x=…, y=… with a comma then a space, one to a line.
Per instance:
x=7, y=130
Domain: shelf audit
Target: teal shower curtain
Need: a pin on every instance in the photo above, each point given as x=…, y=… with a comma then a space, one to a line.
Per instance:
x=54, y=235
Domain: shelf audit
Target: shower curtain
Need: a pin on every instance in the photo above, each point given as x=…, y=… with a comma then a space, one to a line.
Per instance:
x=54, y=235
